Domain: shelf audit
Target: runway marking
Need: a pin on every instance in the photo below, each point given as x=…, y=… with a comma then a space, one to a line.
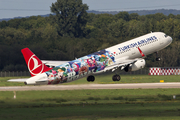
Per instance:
x=93, y=86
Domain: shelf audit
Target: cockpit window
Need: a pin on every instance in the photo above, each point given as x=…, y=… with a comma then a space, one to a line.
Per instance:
x=165, y=35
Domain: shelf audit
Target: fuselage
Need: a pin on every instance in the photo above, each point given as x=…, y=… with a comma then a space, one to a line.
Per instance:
x=98, y=61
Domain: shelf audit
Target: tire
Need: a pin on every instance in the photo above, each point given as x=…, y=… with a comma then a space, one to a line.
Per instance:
x=116, y=78
x=90, y=78
x=158, y=59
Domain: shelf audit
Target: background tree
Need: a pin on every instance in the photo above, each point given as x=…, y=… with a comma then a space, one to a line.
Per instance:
x=101, y=31
x=124, y=15
x=70, y=17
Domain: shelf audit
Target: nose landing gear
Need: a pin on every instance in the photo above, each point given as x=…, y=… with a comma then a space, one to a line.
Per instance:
x=157, y=58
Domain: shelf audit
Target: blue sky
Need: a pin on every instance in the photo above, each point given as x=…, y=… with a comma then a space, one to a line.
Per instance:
x=22, y=8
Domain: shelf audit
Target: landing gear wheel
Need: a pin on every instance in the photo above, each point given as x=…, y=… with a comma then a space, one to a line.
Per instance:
x=158, y=59
x=90, y=78
x=116, y=78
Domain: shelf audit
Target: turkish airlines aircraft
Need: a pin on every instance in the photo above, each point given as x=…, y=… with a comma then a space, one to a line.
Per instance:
x=126, y=56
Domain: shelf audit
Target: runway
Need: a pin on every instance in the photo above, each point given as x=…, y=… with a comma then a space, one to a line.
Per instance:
x=93, y=86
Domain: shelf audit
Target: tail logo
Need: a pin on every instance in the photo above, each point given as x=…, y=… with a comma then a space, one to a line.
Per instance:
x=34, y=66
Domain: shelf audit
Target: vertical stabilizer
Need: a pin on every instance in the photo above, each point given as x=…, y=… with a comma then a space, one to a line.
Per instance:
x=34, y=64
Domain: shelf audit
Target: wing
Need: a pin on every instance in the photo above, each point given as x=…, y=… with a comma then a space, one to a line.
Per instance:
x=18, y=80
x=120, y=64
x=53, y=63
x=123, y=62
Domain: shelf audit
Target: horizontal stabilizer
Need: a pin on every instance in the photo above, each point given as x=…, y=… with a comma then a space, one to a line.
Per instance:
x=18, y=80
x=54, y=63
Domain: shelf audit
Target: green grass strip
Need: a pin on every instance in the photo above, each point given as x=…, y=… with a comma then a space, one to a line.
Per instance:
x=125, y=104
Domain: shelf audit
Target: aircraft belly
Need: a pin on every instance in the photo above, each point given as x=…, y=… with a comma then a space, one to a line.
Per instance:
x=76, y=77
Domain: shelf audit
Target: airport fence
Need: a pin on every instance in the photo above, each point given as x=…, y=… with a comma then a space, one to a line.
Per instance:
x=26, y=73
x=14, y=74
x=138, y=72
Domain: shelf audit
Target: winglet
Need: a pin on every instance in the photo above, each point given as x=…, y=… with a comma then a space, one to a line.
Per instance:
x=142, y=54
x=34, y=64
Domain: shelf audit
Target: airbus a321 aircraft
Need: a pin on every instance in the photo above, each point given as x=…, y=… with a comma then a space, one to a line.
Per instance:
x=128, y=56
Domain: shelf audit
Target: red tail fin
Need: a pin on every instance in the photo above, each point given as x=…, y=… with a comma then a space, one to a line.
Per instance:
x=34, y=64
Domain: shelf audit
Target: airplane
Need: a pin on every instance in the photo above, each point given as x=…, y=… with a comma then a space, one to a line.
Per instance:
x=128, y=56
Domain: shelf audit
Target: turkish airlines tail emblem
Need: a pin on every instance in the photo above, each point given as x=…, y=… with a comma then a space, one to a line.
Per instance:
x=34, y=64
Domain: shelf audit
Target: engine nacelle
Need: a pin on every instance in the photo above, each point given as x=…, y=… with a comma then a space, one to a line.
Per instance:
x=139, y=64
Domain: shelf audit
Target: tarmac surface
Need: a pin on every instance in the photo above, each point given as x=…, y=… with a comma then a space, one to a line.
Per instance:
x=93, y=86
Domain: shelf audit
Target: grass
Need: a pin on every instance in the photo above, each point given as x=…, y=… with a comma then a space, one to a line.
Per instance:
x=106, y=79
x=124, y=104
x=148, y=111
x=81, y=94
x=3, y=81
x=91, y=104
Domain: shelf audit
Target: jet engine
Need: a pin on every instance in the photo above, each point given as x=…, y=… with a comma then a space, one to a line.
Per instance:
x=139, y=64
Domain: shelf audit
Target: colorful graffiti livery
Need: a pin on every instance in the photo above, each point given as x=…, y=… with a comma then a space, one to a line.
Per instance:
x=80, y=67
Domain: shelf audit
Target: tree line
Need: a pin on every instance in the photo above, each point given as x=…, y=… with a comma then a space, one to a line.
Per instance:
x=72, y=33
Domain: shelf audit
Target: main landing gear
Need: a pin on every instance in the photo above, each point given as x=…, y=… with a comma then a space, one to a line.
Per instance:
x=116, y=77
x=90, y=78
x=157, y=58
